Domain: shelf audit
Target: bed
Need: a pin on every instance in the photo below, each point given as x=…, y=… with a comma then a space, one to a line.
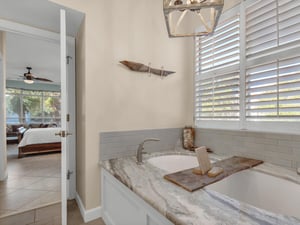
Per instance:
x=39, y=140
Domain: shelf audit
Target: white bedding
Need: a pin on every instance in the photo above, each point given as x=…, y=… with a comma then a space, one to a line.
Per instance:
x=40, y=136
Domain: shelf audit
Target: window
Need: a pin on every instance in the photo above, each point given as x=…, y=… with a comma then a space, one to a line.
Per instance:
x=248, y=71
x=23, y=106
x=222, y=49
x=271, y=24
x=217, y=72
x=273, y=91
x=218, y=97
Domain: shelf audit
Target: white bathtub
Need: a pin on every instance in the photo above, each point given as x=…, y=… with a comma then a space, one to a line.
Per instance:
x=261, y=190
x=256, y=188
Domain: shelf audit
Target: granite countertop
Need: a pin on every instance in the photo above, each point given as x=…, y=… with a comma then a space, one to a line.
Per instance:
x=200, y=207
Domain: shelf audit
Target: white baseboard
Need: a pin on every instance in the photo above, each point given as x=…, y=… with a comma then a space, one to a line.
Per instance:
x=107, y=220
x=88, y=215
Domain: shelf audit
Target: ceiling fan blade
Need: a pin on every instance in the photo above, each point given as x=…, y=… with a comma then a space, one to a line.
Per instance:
x=42, y=79
x=30, y=76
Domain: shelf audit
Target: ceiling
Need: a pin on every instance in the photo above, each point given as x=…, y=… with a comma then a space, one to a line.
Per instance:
x=40, y=13
x=23, y=51
x=42, y=56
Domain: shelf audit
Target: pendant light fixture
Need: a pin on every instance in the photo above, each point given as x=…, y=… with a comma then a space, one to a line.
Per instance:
x=28, y=81
x=188, y=18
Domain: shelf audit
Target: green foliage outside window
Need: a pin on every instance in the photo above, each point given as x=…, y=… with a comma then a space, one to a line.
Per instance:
x=32, y=106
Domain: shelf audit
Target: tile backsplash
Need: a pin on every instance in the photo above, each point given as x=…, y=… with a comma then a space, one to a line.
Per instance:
x=279, y=149
x=125, y=143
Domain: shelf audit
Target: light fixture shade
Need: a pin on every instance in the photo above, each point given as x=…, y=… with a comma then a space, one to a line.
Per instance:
x=188, y=18
x=28, y=81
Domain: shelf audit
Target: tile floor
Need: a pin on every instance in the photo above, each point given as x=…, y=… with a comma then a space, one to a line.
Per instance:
x=33, y=181
x=49, y=215
x=74, y=216
x=30, y=194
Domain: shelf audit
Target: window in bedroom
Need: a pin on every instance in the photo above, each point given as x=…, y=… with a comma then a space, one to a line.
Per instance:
x=23, y=106
x=248, y=72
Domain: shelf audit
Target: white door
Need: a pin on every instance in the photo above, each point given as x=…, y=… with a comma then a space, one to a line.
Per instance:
x=71, y=119
x=64, y=110
x=68, y=187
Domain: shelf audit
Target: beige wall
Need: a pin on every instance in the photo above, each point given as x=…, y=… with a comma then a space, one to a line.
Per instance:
x=110, y=97
x=230, y=3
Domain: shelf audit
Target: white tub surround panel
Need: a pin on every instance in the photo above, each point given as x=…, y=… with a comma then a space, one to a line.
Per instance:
x=179, y=206
x=121, y=206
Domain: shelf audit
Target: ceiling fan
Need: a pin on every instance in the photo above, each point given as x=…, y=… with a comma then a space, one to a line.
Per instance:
x=29, y=78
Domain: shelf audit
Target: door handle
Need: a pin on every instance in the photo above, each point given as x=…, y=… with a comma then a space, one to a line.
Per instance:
x=63, y=133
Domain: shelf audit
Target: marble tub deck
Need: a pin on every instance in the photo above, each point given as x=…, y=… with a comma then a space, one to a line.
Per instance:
x=200, y=207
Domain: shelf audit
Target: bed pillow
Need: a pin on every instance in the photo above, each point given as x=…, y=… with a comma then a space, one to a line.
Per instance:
x=15, y=127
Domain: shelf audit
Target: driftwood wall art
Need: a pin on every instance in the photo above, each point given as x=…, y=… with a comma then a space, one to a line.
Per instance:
x=139, y=67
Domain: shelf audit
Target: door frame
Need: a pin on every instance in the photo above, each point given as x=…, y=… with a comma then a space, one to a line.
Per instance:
x=71, y=140
x=37, y=33
x=3, y=149
x=64, y=112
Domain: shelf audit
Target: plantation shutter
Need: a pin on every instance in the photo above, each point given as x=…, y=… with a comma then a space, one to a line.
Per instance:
x=270, y=24
x=218, y=97
x=272, y=86
x=273, y=91
x=288, y=21
x=221, y=49
x=217, y=92
x=242, y=78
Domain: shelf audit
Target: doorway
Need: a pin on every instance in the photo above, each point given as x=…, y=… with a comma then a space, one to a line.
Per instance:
x=32, y=115
x=43, y=32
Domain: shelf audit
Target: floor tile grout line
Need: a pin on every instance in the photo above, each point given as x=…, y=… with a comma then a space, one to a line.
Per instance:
x=25, y=169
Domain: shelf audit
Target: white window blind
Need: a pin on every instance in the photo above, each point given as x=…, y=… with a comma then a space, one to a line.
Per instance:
x=218, y=97
x=251, y=80
x=272, y=86
x=270, y=24
x=273, y=91
x=217, y=93
x=261, y=26
x=221, y=49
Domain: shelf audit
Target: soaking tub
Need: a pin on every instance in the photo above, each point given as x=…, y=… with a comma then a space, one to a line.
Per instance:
x=261, y=190
x=251, y=186
x=250, y=197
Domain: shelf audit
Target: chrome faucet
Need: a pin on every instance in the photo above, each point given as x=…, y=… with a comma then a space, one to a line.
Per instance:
x=139, y=152
x=298, y=170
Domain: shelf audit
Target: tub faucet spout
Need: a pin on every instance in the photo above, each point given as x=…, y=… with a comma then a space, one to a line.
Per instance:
x=139, y=152
x=298, y=170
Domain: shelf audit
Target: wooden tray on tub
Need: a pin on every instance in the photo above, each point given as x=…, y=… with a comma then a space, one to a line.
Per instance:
x=192, y=182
